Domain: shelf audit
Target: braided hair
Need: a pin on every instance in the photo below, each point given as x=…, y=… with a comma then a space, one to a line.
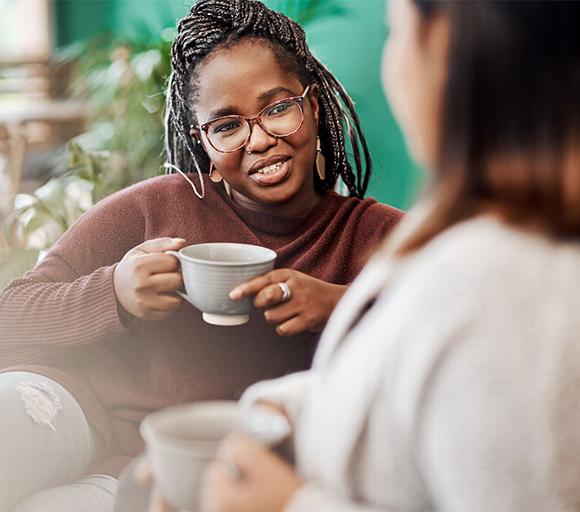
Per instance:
x=214, y=24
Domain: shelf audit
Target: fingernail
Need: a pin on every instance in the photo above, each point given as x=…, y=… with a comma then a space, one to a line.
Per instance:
x=236, y=293
x=177, y=240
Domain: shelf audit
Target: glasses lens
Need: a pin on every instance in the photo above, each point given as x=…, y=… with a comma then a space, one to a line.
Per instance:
x=282, y=118
x=228, y=133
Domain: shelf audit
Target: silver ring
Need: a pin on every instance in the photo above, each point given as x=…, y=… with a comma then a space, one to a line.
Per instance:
x=286, y=293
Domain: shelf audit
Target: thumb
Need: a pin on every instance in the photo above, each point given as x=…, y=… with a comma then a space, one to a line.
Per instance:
x=161, y=244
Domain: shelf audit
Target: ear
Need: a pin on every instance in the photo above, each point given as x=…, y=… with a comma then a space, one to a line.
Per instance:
x=195, y=134
x=313, y=97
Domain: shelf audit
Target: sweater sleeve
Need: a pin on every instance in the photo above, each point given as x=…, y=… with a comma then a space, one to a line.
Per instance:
x=69, y=299
x=287, y=392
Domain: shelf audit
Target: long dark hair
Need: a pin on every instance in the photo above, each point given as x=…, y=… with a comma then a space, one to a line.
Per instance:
x=511, y=116
x=213, y=24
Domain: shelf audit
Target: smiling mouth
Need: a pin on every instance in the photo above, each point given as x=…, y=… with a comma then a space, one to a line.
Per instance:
x=272, y=174
x=270, y=169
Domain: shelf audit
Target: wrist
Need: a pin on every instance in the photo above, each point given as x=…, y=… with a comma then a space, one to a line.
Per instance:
x=338, y=290
x=126, y=319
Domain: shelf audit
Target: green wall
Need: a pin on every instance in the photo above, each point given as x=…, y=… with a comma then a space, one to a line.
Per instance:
x=350, y=45
x=78, y=19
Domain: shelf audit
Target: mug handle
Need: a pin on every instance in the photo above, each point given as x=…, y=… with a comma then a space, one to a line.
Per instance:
x=180, y=292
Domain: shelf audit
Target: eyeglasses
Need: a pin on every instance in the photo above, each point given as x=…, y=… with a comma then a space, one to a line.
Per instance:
x=280, y=119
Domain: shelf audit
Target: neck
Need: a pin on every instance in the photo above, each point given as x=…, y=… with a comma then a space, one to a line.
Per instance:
x=296, y=207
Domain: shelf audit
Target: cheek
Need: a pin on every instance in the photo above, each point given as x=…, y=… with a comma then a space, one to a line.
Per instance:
x=303, y=142
x=396, y=80
x=228, y=164
x=404, y=84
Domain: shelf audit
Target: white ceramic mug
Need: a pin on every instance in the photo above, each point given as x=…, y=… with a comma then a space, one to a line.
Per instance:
x=182, y=439
x=210, y=271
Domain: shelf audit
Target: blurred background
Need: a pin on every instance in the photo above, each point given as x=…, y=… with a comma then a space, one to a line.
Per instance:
x=81, y=105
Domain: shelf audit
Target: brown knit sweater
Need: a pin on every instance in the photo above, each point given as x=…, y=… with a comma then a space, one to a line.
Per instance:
x=61, y=319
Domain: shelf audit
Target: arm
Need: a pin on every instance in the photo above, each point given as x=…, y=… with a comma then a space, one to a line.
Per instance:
x=69, y=299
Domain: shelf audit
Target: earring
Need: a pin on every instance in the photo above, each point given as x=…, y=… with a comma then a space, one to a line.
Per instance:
x=192, y=132
x=320, y=161
x=214, y=175
x=228, y=189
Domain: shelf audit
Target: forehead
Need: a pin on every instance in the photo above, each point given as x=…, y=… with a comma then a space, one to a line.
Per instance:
x=235, y=76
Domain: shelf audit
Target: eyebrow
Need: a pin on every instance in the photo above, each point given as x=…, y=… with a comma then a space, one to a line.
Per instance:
x=263, y=98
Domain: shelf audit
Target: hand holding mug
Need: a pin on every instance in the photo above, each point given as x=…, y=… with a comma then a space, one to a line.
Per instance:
x=293, y=301
x=146, y=279
x=266, y=485
x=182, y=440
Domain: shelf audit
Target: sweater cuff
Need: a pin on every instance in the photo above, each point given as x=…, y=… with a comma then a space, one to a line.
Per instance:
x=113, y=317
x=286, y=392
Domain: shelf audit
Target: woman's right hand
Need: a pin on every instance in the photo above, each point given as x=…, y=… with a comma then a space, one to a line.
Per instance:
x=145, y=279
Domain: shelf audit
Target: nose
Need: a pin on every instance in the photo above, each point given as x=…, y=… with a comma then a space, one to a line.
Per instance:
x=259, y=140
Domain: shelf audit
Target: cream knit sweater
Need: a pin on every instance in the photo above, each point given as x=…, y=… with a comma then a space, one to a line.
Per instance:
x=458, y=390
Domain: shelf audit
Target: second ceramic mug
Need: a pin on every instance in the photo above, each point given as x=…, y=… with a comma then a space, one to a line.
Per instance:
x=210, y=271
x=181, y=440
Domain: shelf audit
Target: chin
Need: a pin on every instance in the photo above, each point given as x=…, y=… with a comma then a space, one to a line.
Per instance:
x=277, y=198
x=279, y=194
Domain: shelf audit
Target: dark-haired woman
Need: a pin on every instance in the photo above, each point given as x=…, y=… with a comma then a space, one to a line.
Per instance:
x=448, y=376
x=95, y=338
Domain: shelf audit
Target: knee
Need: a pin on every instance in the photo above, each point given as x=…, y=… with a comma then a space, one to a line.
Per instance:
x=38, y=398
x=94, y=493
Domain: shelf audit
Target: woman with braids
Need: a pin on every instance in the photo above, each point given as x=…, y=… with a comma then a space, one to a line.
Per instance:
x=95, y=337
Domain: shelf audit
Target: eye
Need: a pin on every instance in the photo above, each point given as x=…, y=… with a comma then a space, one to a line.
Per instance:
x=279, y=108
x=226, y=126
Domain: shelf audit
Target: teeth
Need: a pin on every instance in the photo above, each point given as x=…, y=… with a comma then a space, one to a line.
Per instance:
x=271, y=169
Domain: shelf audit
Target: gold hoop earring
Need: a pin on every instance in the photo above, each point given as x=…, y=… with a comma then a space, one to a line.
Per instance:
x=320, y=161
x=214, y=175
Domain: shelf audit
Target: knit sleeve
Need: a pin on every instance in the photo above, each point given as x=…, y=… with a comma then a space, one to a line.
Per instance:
x=287, y=392
x=69, y=299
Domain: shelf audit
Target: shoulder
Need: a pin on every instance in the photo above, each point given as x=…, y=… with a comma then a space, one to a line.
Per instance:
x=163, y=186
x=477, y=298
x=162, y=193
x=489, y=277
x=368, y=206
x=370, y=217
x=484, y=249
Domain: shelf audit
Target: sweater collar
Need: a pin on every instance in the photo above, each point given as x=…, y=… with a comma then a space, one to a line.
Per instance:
x=278, y=225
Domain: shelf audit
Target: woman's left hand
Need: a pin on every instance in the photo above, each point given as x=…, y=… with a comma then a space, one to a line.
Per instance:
x=308, y=308
x=265, y=482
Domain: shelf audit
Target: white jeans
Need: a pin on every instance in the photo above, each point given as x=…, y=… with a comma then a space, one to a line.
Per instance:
x=46, y=445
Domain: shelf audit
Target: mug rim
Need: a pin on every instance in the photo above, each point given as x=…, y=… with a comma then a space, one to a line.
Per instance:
x=150, y=433
x=269, y=255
